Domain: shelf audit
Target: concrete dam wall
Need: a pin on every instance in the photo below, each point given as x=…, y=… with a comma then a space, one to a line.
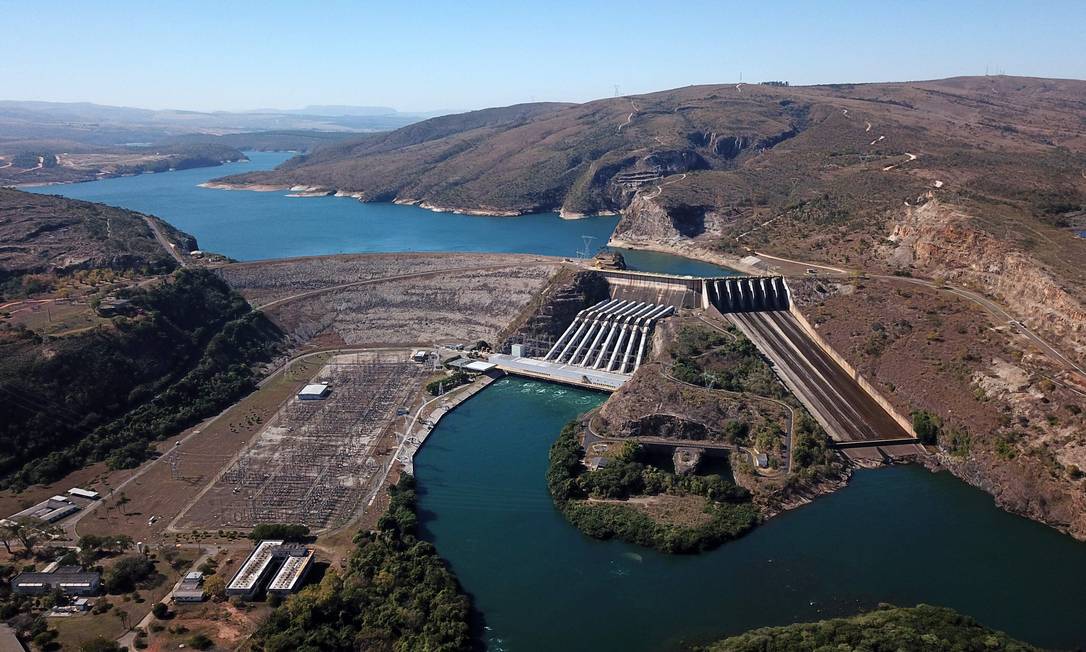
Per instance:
x=746, y=294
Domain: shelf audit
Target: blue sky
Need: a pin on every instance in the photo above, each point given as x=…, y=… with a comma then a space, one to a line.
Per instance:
x=419, y=55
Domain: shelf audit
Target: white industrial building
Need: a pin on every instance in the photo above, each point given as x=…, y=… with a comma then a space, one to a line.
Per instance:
x=286, y=564
x=314, y=392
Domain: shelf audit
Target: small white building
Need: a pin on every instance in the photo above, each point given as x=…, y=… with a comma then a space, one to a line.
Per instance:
x=83, y=493
x=190, y=588
x=479, y=366
x=314, y=392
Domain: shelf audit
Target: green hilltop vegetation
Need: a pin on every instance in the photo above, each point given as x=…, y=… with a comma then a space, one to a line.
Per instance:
x=395, y=594
x=728, y=507
x=107, y=393
x=183, y=347
x=892, y=629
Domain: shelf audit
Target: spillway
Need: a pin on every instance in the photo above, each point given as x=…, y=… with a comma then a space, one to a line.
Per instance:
x=747, y=294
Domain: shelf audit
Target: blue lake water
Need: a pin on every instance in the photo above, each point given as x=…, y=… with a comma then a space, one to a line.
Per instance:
x=257, y=225
x=900, y=535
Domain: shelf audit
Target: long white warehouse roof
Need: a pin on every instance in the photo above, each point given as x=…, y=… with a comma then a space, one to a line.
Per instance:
x=254, y=566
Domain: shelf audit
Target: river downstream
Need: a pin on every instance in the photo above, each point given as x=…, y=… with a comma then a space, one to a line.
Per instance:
x=901, y=535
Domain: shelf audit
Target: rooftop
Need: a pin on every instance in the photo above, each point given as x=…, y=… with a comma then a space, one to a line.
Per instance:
x=254, y=566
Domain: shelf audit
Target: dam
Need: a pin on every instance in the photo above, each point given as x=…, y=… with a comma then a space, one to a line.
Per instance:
x=606, y=343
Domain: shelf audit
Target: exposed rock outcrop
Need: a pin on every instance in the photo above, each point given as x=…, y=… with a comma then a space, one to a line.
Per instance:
x=940, y=240
x=645, y=221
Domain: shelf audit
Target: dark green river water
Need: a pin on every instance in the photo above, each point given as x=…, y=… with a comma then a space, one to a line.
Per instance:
x=901, y=535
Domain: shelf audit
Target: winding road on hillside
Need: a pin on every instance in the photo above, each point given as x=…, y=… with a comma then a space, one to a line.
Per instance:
x=997, y=311
x=630, y=117
x=660, y=187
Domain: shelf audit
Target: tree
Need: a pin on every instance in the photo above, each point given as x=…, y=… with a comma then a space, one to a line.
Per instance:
x=7, y=533
x=127, y=572
x=284, y=531
x=28, y=531
x=215, y=586
x=99, y=645
x=123, y=616
x=160, y=610
x=123, y=500
x=118, y=542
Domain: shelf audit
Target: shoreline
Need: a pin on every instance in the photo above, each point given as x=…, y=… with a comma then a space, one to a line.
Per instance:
x=304, y=191
x=424, y=426
x=693, y=253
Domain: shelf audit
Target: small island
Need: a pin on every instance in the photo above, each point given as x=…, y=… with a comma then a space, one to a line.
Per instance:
x=922, y=627
x=698, y=448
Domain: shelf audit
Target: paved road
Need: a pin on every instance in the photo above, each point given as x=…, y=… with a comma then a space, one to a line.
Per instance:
x=166, y=244
x=998, y=312
x=848, y=413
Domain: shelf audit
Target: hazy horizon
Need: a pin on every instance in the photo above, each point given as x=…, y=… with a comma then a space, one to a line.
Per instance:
x=438, y=56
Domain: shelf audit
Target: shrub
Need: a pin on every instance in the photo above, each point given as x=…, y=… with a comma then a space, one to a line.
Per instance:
x=927, y=426
x=284, y=531
x=127, y=573
x=730, y=507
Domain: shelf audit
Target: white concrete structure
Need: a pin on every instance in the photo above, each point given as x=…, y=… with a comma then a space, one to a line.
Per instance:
x=246, y=580
x=83, y=493
x=611, y=336
x=313, y=392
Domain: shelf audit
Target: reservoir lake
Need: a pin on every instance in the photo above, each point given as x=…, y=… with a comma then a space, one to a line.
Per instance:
x=247, y=225
x=900, y=535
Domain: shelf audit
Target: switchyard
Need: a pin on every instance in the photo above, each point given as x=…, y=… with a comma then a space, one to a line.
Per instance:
x=314, y=462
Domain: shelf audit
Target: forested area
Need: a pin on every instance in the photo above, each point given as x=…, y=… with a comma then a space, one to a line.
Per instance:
x=717, y=360
x=106, y=394
x=395, y=594
x=728, y=506
x=922, y=628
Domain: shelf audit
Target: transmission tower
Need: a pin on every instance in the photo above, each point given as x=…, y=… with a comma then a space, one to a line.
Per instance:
x=586, y=252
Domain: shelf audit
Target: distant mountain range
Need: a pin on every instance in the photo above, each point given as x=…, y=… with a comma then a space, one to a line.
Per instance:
x=101, y=125
x=55, y=142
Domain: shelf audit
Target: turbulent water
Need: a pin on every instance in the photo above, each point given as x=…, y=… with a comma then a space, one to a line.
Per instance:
x=901, y=535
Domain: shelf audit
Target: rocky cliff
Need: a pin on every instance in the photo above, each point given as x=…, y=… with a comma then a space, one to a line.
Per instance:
x=943, y=242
